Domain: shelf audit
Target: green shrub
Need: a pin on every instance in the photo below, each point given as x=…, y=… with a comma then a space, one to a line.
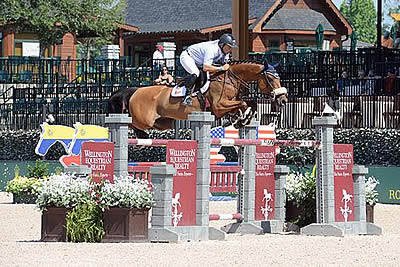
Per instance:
x=23, y=185
x=85, y=223
x=371, y=146
x=39, y=170
x=300, y=192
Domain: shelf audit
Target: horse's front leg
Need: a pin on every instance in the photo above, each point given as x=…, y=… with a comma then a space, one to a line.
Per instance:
x=226, y=106
x=251, y=112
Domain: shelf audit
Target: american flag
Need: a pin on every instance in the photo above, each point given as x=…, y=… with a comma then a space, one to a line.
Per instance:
x=264, y=132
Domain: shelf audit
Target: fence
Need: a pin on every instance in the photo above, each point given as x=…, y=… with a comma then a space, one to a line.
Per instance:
x=34, y=70
x=29, y=107
x=77, y=90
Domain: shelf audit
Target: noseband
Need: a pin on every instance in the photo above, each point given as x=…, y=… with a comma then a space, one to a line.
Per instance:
x=277, y=91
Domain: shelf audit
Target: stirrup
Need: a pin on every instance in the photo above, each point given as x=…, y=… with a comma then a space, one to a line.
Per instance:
x=187, y=101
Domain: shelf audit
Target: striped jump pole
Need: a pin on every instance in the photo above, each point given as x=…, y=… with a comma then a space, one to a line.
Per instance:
x=232, y=142
x=233, y=216
x=148, y=142
x=268, y=142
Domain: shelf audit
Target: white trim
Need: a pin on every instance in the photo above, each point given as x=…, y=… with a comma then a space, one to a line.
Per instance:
x=227, y=142
x=144, y=142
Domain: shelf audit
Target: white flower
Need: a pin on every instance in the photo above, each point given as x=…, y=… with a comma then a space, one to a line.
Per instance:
x=371, y=195
x=68, y=191
x=126, y=192
x=62, y=190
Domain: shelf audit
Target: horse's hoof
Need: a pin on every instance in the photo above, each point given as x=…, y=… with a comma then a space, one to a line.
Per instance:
x=247, y=113
x=238, y=124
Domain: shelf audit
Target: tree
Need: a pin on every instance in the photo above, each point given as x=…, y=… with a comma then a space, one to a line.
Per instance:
x=94, y=21
x=392, y=6
x=360, y=14
x=52, y=19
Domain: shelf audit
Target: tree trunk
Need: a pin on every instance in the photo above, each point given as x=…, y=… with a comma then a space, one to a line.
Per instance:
x=88, y=51
x=42, y=49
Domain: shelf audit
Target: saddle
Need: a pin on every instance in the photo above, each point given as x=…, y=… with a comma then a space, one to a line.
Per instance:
x=200, y=81
x=200, y=87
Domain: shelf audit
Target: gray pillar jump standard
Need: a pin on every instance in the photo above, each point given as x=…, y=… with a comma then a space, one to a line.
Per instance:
x=201, y=126
x=325, y=193
x=276, y=225
x=118, y=133
x=247, y=185
x=161, y=222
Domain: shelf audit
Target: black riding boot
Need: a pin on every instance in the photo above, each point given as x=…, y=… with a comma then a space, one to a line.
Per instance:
x=189, y=84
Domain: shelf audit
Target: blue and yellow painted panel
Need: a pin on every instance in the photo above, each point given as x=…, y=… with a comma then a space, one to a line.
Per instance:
x=70, y=138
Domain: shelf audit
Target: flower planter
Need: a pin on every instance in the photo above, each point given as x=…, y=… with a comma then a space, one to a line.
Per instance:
x=370, y=213
x=24, y=198
x=53, y=225
x=126, y=225
x=292, y=211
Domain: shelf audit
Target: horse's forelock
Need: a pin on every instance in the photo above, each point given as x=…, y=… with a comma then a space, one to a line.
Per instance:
x=271, y=70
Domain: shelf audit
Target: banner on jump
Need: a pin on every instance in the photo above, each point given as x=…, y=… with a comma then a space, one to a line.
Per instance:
x=265, y=183
x=183, y=156
x=99, y=157
x=343, y=182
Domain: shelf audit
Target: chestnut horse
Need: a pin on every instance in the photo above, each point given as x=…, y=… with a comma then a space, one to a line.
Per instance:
x=153, y=106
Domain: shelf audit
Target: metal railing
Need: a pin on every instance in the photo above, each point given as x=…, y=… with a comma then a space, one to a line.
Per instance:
x=311, y=78
x=34, y=70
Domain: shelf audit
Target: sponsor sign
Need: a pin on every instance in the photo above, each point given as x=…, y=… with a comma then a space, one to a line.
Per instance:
x=183, y=156
x=99, y=156
x=343, y=182
x=265, y=183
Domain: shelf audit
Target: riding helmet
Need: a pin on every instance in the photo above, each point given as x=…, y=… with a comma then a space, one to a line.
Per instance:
x=227, y=39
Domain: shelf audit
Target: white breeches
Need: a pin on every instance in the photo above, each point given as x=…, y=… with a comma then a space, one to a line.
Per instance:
x=188, y=64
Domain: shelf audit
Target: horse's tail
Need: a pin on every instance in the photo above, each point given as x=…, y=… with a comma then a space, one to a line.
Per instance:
x=119, y=100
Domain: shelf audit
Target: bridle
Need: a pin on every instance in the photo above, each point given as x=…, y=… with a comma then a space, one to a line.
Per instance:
x=244, y=84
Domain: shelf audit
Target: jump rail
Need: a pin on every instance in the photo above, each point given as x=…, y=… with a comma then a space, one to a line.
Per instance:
x=223, y=178
x=232, y=142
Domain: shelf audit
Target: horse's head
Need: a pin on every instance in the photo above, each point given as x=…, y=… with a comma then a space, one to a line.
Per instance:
x=270, y=83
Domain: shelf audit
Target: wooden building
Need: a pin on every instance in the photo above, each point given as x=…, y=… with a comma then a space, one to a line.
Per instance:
x=14, y=43
x=273, y=24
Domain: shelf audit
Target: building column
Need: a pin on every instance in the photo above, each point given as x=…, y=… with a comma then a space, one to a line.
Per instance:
x=240, y=28
x=121, y=43
x=8, y=42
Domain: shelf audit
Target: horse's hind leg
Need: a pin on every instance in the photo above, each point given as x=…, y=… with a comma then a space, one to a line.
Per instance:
x=140, y=134
x=164, y=124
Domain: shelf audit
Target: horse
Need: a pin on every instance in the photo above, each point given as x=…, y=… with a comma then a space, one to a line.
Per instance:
x=119, y=100
x=153, y=106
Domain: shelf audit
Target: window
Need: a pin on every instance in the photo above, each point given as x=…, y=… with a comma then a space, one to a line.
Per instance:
x=18, y=49
x=274, y=45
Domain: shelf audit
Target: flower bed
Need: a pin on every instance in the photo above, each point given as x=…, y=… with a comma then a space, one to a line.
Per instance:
x=97, y=211
x=301, y=202
x=25, y=188
x=300, y=198
x=371, y=196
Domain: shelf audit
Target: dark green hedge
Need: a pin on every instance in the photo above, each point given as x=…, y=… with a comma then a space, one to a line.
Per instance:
x=371, y=146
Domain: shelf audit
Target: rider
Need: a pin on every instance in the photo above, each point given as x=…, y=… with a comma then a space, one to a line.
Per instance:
x=204, y=55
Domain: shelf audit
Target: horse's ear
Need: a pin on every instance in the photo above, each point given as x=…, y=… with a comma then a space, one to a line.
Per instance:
x=265, y=64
